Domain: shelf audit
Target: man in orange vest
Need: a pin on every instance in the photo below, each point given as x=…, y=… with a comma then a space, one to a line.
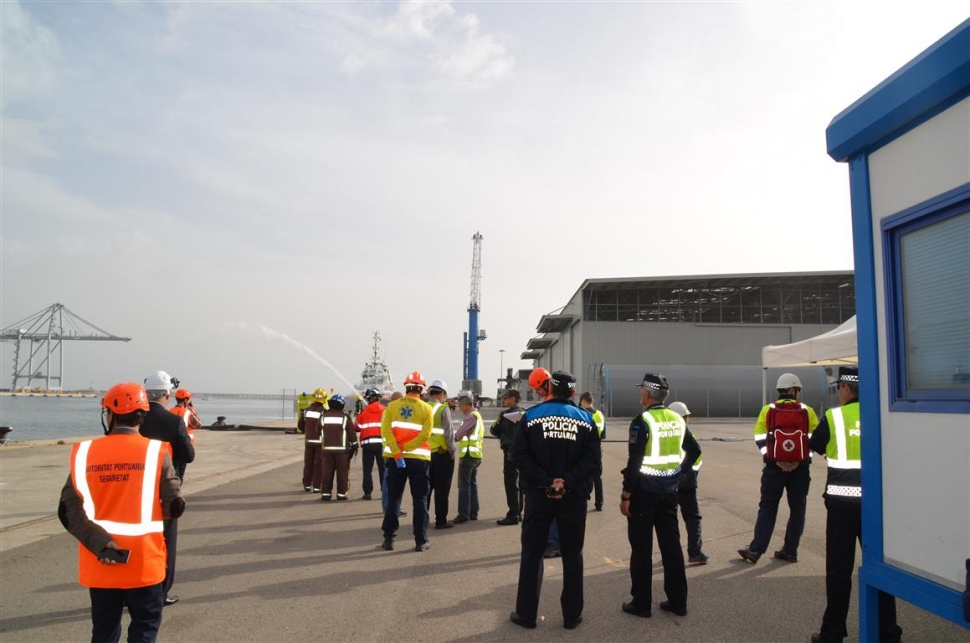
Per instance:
x=186, y=410
x=120, y=489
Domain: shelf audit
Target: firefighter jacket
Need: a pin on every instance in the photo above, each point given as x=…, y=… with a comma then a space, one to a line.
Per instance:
x=406, y=428
x=338, y=432
x=120, y=489
x=839, y=438
x=311, y=423
x=369, y=423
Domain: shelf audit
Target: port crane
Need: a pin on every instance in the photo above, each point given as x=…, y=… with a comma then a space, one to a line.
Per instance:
x=474, y=335
x=44, y=334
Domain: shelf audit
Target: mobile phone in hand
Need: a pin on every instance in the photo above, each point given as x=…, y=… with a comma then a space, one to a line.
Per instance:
x=117, y=555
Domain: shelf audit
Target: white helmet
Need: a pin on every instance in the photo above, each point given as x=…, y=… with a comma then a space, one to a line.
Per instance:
x=439, y=384
x=679, y=408
x=160, y=381
x=787, y=381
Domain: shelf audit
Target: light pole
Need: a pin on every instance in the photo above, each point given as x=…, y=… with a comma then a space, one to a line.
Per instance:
x=501, y=363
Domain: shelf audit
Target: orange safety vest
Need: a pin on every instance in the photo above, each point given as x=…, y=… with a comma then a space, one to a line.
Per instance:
x=191, y=419
x=118, y=478
x=369, y=423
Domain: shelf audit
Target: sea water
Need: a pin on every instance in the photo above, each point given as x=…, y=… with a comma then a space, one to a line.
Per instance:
x=51, y=418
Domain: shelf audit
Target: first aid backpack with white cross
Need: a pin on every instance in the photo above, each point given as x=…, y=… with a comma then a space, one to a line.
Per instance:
x=787, y=424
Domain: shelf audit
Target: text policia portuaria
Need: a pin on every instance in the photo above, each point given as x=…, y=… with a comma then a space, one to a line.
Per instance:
x=559, y=428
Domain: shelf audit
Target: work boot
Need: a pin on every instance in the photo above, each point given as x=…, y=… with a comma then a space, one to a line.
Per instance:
x=388, y=544
x=748, y=555
x=781, y=554
x=325, y=497
x=341, y=496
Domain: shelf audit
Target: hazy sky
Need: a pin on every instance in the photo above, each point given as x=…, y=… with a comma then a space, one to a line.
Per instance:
x=239, y=186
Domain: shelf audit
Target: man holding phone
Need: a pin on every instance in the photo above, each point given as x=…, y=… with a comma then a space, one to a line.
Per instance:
x=121, y=555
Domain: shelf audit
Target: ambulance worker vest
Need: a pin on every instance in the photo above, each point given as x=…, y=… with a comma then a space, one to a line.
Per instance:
x=664, y=450
x=473, y=443
x=406, y=416
x=437, y=441
x=844, y=452
x=117, y=478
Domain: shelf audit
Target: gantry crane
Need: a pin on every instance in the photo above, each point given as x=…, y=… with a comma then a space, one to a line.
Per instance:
x=46, y=331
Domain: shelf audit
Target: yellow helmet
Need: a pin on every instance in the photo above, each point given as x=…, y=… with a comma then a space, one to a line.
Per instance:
x=320, y=395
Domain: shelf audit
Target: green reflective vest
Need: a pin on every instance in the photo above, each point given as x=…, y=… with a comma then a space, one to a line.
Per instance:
x=437, y=439
x=473, y=443
x=664, y=450
x=844, y=451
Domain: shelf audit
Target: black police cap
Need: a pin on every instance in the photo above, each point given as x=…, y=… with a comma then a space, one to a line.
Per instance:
x=654, y=381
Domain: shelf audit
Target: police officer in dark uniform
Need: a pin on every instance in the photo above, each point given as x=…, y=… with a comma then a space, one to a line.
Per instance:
x=504, y=429
x=838, y=437
x=161, y=424
x=661, y=446
x=556, y=449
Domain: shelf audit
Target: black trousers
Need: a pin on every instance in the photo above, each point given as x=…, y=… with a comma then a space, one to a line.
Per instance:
x=170, y=531
x=144, y=607
x=651, y=512
x=570, y=512
x=415, y=475
x=843, y=528
x=371, y=454
x=775, y=482
x=441, y=473
x=691, y=513
x=510, y=476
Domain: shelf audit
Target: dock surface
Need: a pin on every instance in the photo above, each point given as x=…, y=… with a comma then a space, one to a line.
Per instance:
x=260, y=560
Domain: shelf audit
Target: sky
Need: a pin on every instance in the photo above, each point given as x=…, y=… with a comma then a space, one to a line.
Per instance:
x=250, y=190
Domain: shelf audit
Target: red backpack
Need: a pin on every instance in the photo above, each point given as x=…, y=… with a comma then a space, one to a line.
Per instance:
x=787, y=424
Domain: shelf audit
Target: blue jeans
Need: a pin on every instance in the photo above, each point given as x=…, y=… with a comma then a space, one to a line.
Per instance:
x=468, y=487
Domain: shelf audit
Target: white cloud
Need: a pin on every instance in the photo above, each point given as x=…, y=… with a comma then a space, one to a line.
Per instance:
x=29, y=53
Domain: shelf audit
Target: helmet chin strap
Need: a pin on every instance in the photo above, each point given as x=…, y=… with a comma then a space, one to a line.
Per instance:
x=104, y=427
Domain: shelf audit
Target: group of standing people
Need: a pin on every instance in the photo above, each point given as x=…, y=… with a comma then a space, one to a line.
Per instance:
x=122, y=501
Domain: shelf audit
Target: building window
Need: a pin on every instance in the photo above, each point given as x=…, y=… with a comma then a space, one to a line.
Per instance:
x=928, y=298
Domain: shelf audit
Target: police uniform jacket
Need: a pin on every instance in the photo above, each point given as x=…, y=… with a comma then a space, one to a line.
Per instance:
x=633, y=480
x=504, y=429
x=556, y=439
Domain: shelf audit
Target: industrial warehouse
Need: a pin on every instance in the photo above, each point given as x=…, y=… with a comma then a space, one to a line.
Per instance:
x=705, y=333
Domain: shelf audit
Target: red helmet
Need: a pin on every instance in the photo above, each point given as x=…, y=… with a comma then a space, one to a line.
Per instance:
x=122, y=399
x=183, y=394
x=538, y=377
x=415, y=379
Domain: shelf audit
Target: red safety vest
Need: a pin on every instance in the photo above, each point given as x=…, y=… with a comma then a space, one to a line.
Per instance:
x=118, y=478
x=369, y=423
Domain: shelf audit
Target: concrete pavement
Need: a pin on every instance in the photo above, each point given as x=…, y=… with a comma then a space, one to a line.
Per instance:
x=260, y=560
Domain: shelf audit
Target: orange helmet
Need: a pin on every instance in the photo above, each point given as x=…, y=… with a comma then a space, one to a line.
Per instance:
x=122, y=399
x=183, y=394
x=538, y=377
x=415, y=379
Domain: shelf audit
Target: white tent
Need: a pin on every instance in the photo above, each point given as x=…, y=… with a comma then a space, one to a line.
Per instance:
x=838, y=346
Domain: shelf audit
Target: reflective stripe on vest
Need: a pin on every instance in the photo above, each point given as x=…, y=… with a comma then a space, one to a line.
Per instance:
x=404, y=432
x=437, y=441
x=147, y=501
x=847, y=442
x=664, y=450
x=313, y=415
x=370, y=426
x=472, y=444
x=343, y=434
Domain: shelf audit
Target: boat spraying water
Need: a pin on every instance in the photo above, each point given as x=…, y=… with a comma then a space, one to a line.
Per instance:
x=375, y=373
